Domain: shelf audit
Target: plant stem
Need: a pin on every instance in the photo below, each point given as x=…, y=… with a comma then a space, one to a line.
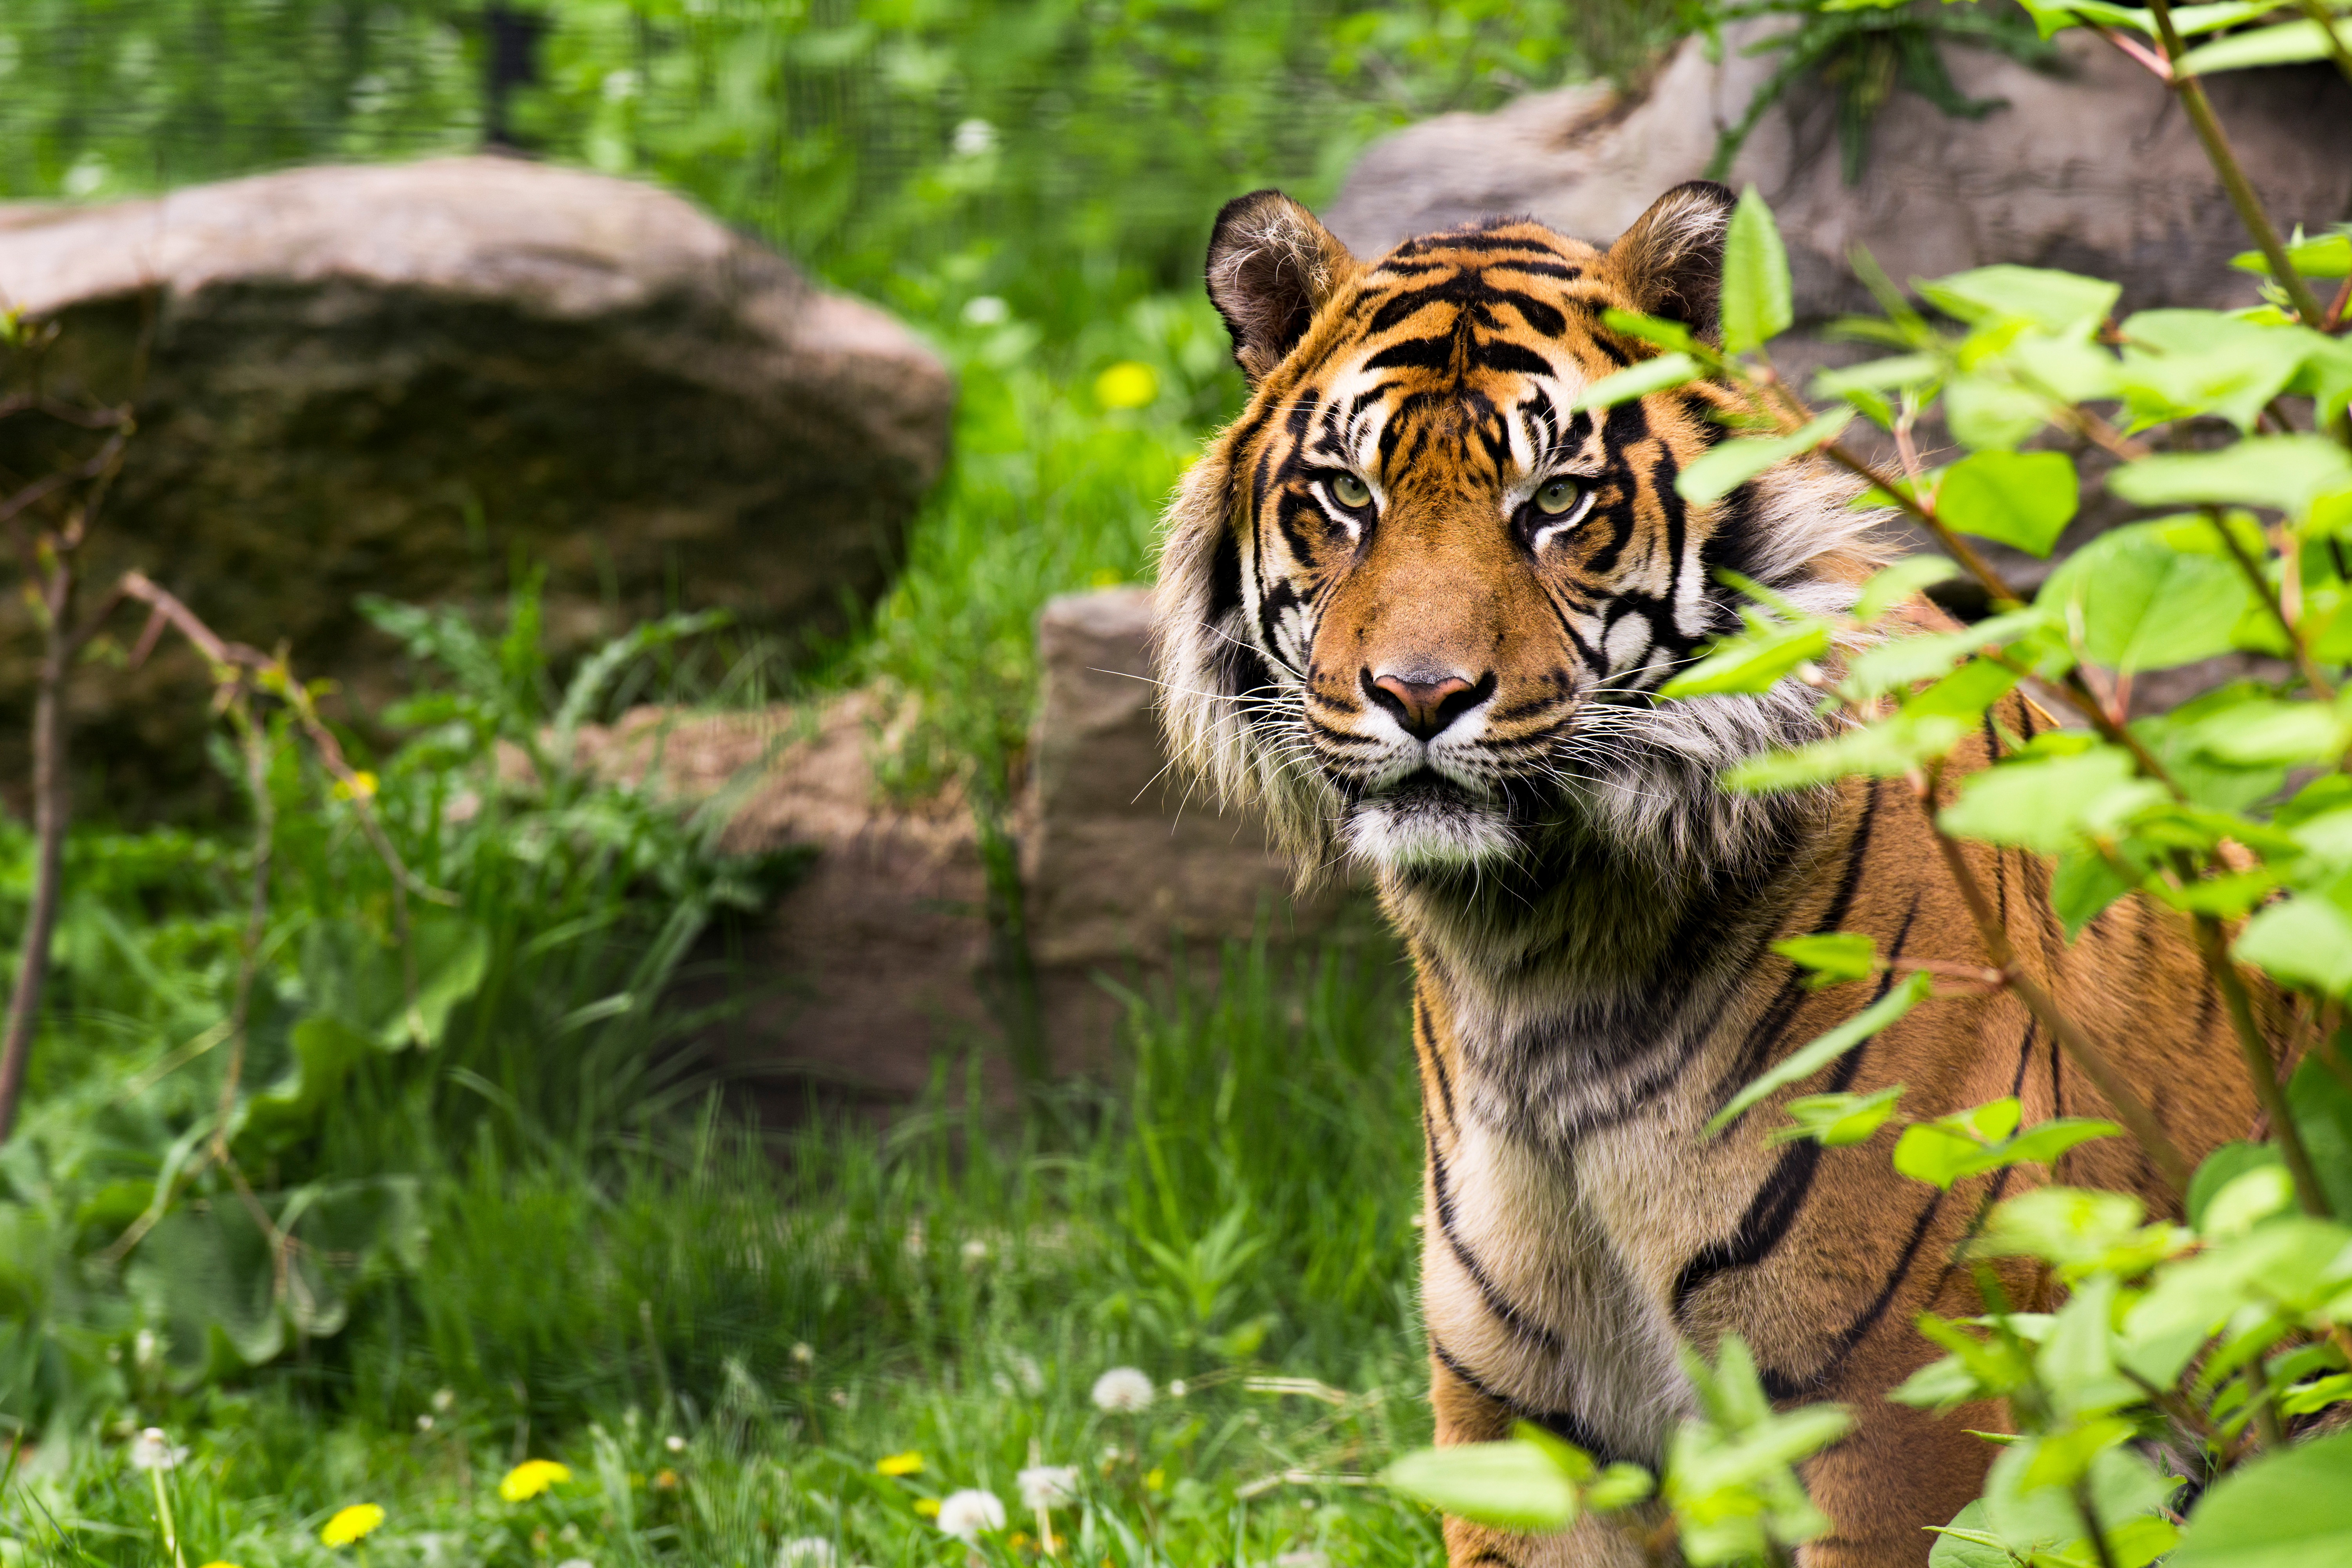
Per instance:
x=257, y=919
x=2240, y=190
x=163, y=1517
x=2260, y=1067
x=2320, y=685
x=2318, y=11
x=2143, y=1126
x=52, y=809
x=2090, y=1513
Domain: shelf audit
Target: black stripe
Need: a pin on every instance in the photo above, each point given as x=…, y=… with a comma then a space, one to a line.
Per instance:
x=1565, y=1424
x=1766, y=1041
x=1499, y=1305
x=1436, y=1062
x=1774, y=1209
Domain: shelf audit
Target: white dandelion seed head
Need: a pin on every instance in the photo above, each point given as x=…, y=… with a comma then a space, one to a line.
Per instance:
x=986, y=311
x=975, y=1251
x=424, y=1424
x=974, y=137
x=443, y=1401
x=674, y=1442
x=1176, y=1389
x=1049, y=1486
x=575, y=1562
x=1122, y=1391
x=964, y=1514
x=151, y=1450
x=805, y=1551
x=802, y=1355
x=143, y=1346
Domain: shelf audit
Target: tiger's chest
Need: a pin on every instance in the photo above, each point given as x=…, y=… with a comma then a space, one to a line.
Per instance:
x=1549, y=1265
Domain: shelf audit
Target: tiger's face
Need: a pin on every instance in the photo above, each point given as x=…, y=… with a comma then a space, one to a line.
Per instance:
x=1416, y=600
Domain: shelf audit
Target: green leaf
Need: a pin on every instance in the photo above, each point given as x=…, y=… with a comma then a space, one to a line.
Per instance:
x=2060, y=303
x=1882, y=750
x=2083, y=883
x=1731, y=464
x=2022, y=498
x=1511, y=1484
x=1750, y=661
x=2284, y=472
x=1833, y=956
x=1967, y=1543
x=2146, y=598
x=1671, y=335
x=2290, y=1507
x=2221, y=1167
x=2177, y=363
x=2304, y=940
x=1837, y=1120
x=2321, y=1103
x=2263, y=734
x=1904, y=660
x=1640, y=380
x=2045, y=804
x=1899, y=584
x=1756, y=296
x=2285, y=44
x=1989, y=413
x=2329, y=255
x=1566, y=1457
x=2250, y=1197
x=1619, y=1485
x=1809, y=1059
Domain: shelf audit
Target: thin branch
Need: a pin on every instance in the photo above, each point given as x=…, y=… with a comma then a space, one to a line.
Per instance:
x=256, y=921
x=52, y=810
x=2323, y=689
x=2260, y=1066
x=2161, y=1152
x=2318, y=11
x=2240, y=190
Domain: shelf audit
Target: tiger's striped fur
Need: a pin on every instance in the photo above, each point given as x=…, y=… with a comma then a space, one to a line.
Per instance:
x=1453, y=682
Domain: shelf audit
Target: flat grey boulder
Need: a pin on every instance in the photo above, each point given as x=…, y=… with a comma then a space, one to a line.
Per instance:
x=2091, y=168
x=403, y=379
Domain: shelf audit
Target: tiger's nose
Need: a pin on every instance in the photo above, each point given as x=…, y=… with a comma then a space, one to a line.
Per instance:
x=1426, y=707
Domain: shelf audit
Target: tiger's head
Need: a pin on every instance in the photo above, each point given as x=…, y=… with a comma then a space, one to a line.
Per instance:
x=1416, y=604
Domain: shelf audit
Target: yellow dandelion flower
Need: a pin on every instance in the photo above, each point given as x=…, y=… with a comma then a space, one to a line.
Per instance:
x=360, y=785
x=666, y=1480
x=530, y=1478
x=909, y=1463
x=220, y=1564
x=1130, y=384
x=928, y=1507
x=351, y=1524
x=1155, y=1479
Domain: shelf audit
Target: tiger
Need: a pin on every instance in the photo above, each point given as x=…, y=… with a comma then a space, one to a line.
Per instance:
x=1415, y=605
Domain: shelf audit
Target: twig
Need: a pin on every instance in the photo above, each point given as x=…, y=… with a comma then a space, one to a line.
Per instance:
x=2240, y=190
x=2320, y=685
x=2260, y=1066
x=2318, y=11
x=52, y=809
x=2162, y=1154
x=257, y=919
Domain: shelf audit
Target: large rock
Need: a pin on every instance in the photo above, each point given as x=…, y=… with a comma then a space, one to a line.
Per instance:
x=882, y=958
x=2091, y=167
x=404, y=380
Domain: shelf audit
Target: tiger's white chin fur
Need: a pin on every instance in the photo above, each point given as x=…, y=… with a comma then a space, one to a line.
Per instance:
x=1427, y=829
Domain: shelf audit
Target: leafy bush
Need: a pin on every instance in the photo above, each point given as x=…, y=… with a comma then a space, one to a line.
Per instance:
x=2201, y=1346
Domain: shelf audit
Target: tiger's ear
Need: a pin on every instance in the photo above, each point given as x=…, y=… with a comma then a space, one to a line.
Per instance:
x=1671, y=260
x=1271, y=266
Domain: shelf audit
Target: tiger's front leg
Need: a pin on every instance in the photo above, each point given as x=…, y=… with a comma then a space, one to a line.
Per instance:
x=1466, y=1416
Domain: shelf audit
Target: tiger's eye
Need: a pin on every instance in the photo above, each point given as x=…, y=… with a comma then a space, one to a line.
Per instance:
x=1556, y=497
x=1351, y=492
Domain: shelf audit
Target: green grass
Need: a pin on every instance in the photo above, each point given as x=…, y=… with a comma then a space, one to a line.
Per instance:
x=1238, y=1205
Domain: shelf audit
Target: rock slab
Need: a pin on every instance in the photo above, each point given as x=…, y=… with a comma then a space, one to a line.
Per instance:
x=2091, y=167
x=403, y=379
